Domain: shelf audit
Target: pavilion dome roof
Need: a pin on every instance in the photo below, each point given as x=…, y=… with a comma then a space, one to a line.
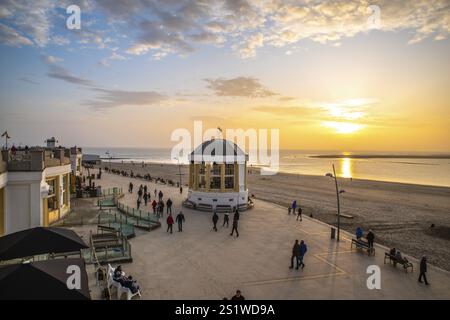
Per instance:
x=218, y=150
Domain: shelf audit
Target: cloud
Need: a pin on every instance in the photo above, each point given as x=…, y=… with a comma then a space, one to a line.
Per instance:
x=239, y=87
x=114, y=98
x=162, y=27
x=51, y=59
x=28, y=80
x=61, y=73
x=12, y=38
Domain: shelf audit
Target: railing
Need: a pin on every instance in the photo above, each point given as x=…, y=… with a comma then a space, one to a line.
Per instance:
x=138, y=214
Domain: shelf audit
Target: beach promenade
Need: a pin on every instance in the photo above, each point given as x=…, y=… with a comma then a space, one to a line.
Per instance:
x=199, y=263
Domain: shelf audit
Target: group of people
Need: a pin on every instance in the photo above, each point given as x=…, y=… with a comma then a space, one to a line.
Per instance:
x=179, y=219
x=298, y=254
x=125, y=281
x=226, y=220
x=370, y=237
x=294, y=210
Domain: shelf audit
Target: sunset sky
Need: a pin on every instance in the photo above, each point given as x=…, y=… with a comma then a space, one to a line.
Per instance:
x=328, y=75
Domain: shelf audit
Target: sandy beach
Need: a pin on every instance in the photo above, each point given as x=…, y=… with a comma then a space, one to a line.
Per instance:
x=399, y=214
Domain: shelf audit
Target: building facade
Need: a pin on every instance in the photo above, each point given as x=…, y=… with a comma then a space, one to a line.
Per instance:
x=34, y=187
x=218, y=176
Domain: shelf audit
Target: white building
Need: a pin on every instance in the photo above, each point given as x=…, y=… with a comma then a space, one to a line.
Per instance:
x=218, y=176
x=34, y=188
x=76, y=156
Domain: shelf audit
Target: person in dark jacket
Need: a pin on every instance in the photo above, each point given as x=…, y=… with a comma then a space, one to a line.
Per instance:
x=235, y=224
x=302, y=252
x=169, y=205
x=180, y=219
x=160, y=195
x=215, y=218
x=423, y=270
x=370, y=238
x=145, y=198
x=226, y=219
x=238, y=296
x=169, y=223
x=154, y=206
x=295, y=253
x=299, y=215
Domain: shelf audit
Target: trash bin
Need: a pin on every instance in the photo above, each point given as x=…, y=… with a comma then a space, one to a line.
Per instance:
x=333, y=233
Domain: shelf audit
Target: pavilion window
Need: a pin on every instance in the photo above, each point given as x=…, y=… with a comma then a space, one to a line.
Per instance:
x=214, y=183
x=202, y=182
x=215, y=170
x=229, y=169
x=202, y=169
x=229, y=182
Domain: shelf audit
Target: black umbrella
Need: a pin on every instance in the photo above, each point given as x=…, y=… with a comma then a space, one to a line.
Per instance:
x=44, y=280
x=39, y=240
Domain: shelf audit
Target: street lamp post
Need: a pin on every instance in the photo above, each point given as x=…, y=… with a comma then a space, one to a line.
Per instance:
x=338, y=192
x=179, y=170
x=109, y=156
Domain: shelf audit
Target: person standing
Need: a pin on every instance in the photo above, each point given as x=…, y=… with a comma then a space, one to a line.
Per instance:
x=295, y=254
x=235, y=224
x=181, y=190
x=358, y=233
x=154, y=206
x=370, y=238
x=299, y=216
x=423, y=270
x=226, y=219
x=294, y=206
x=140, y=193
x=160, y=195
x=145, y=189
x=169, y=223
x=302, y=253
x=289, y=210
x=215, y=218
x=155, y=193
x=180, y=219
x=169, y=205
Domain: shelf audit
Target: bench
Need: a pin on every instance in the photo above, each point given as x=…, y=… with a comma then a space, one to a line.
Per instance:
x=394, y=260
x=360, y=244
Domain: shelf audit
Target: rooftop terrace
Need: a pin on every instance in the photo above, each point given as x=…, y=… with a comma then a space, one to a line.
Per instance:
x=34, y=159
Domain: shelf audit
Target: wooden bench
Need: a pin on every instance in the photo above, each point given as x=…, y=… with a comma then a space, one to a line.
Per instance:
x=394, y=260
x=360, y=244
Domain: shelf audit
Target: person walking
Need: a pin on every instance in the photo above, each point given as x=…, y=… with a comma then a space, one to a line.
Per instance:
x=299, y=215
x=180, y=219
x=160, y=195
x=138, y=203
x=169, y=223
x=145, y=198
x=215, y=218
x=130, y=188
x=161, y=207
x=295, y=254
x=289, y=210
x=145, y=189
x=169, y=205
x=235, y=224
x=140, y=193
x=302, y=252
x=181, y=190
x=370, y=238
x=154, y=206
x=423, y=270
x=155, y=193
x=226, y=219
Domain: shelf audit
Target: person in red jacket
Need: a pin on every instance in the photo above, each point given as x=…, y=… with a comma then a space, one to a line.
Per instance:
x=154, y=206
x=169, y=223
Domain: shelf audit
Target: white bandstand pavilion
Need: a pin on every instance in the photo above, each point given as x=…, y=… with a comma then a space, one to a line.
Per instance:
x=218, y=176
